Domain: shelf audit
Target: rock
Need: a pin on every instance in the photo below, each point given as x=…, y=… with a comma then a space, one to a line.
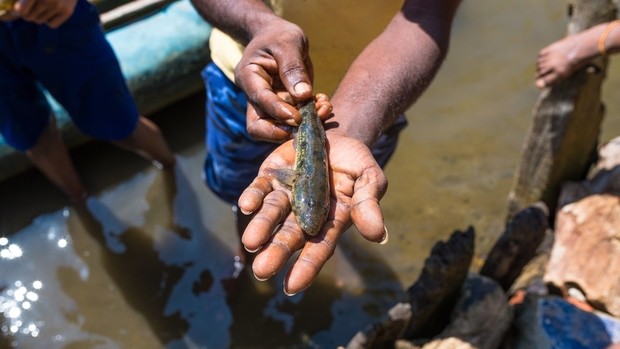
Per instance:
x=608, y=156
x=605, y=181
x=552, y=322
x=605, y=176
x=385, y=333
x=480, y=318
x=434, y=294
x=531, y=277
x=517, y=245
x=585, y=229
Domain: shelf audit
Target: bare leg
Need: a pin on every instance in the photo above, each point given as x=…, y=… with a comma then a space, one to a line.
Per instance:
x=50, y=156
x=563, y=57
x=148, y=141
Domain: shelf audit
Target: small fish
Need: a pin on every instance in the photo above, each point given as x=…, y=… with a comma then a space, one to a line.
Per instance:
x=309, y=180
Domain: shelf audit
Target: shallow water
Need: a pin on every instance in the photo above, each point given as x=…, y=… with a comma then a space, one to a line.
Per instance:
x=147, y=263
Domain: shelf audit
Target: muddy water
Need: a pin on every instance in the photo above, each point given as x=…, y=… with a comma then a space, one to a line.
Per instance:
x=147, y=262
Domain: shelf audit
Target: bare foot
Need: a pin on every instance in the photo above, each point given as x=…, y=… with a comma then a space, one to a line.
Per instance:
x=563, y=57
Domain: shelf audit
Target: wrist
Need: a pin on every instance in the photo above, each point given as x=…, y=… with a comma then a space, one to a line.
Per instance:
x=265, y=21
x=346, y=129
x=605, y=47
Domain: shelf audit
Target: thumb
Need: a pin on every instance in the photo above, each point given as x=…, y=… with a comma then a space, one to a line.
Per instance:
x=296, y=74
x=23, y=7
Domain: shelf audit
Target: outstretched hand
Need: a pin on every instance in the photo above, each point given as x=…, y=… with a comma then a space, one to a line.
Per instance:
x=357, y=184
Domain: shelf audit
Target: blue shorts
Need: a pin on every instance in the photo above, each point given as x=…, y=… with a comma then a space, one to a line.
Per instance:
x=78, y=67
x=233, y=157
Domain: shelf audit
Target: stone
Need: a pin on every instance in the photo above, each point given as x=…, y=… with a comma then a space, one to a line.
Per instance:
x=586, y=252
x=433, y=295
x=517, y=245
x=386, y=332
x=480, y=318
x=553, y=322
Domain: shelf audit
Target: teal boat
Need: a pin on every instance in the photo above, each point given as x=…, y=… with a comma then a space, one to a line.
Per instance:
x=162, y=46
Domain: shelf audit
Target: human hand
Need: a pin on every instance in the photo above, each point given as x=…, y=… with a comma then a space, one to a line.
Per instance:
x=268, y=129
x=357, y=184
x=7, y=10
x=52, y=13
x=275, y=72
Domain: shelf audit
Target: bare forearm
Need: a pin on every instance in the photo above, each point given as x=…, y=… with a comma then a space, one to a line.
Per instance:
x=240, y=19
x=392, y=72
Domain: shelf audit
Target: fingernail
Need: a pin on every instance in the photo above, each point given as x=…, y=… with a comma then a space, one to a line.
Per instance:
x=286, y=292
x=386, y=237
x=302, y=88
x=260, y=279
x=251, y=251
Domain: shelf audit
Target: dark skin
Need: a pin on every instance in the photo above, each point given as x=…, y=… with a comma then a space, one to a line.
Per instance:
x=376, y=89
x=52, y=13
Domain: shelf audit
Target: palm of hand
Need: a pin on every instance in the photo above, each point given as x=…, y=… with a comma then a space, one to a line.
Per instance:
x=357, y=184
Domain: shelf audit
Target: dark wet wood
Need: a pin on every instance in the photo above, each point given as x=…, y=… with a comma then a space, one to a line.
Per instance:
x=131, y=11
x=517, y=245
x=431, y=298
x=436, y=291
x=564, y=133
x=479, y=319
x=384, y=333
x=107, y=5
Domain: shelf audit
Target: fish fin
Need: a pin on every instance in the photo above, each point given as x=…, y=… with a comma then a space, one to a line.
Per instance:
x=295, y=138
x=283, y=175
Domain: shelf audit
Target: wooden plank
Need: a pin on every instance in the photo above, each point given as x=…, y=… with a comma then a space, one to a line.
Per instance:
x=107, y=5
x=131, y=11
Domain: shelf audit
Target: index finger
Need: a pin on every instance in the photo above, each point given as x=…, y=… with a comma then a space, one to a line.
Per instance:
x=314, y=255
x=256, y=82
x=295, y=74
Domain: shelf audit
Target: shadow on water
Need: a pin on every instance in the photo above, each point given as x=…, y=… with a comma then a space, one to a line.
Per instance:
x=164, y=279
x=355, y=289
x=144, y=279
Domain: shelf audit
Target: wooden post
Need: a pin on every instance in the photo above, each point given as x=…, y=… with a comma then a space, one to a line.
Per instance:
x=562, y=140
x=107, y=5
x=131, y=11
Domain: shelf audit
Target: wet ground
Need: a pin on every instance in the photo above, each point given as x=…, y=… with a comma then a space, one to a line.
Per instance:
x=147, y=263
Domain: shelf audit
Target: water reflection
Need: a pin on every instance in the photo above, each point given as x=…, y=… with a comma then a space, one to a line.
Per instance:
x=147, y=264
x=33, y=307
x=17, y=298
x=164, y=269
x=11, y=251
